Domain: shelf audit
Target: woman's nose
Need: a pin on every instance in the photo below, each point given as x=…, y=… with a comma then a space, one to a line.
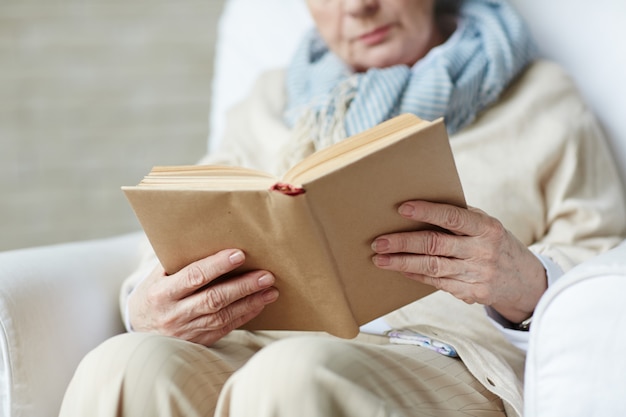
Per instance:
x=360, y=8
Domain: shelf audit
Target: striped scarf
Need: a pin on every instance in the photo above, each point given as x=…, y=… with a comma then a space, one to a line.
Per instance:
x=326, y=102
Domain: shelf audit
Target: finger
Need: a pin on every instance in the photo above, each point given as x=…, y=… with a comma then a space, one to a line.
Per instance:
x=432, y=266
x=458, y=220
x=445, y=274
x=439, y=272
x=468, y=293
x=213, y=299
x=200, y=273
x=428, y=242
x=209, y=338
x=235, y=315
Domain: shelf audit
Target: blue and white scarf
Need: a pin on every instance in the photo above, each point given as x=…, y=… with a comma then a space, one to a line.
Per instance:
x=327, y=101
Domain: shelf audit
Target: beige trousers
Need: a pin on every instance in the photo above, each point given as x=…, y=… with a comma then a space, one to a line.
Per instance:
x=272, y=374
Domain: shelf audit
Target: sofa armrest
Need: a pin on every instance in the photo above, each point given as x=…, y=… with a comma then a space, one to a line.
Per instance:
x=56, y=303
x=576, y=361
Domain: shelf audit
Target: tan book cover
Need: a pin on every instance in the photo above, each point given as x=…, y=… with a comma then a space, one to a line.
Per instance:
x=312, y=228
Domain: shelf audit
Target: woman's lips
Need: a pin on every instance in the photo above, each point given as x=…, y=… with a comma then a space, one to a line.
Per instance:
x=375, y=36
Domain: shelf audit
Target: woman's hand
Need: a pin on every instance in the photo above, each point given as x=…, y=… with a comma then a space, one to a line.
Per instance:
x=478, y=261
x=183, y=306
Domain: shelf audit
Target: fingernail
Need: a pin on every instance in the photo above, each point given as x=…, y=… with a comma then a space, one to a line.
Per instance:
x=381, y=260
x=406, y=210
x=236, y=258
x=270, y=295
x=380, y=245
x=266, y=280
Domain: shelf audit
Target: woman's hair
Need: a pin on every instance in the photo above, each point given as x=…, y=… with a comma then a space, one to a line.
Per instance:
x=445, y=14
x=447, y=7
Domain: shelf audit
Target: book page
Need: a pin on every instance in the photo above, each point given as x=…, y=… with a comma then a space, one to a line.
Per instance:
x=205, y=171
x=215, y=177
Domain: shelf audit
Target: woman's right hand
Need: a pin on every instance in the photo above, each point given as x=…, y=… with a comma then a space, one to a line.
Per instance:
x=183, y=305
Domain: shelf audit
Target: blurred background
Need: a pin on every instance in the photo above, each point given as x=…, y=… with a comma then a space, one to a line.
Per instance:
x=93, y=93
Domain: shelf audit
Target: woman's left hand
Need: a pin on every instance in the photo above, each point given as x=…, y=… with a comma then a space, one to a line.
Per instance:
x=477, y=261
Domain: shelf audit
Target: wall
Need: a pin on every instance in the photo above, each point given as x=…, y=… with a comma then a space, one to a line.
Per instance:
x=92, y=95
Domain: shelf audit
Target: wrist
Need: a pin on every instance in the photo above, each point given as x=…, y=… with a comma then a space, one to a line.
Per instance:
x=517, y=312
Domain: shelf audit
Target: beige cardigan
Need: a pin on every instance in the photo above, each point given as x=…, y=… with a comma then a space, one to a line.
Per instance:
x=537, y=161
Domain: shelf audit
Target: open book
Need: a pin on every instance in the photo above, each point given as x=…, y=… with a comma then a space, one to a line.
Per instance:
x=313, y=228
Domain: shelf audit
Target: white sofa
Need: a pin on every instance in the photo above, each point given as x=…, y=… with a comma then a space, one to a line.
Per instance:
x=58, y=302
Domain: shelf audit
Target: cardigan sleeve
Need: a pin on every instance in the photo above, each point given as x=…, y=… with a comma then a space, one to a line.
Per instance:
x=584, y=198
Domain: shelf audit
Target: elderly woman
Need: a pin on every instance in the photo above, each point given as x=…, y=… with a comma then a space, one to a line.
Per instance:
x=530, y=156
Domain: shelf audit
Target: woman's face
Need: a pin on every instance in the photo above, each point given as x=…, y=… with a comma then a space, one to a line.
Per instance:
x=377, y=33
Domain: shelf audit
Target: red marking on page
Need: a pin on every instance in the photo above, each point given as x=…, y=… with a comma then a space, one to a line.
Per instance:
x=287, y=189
